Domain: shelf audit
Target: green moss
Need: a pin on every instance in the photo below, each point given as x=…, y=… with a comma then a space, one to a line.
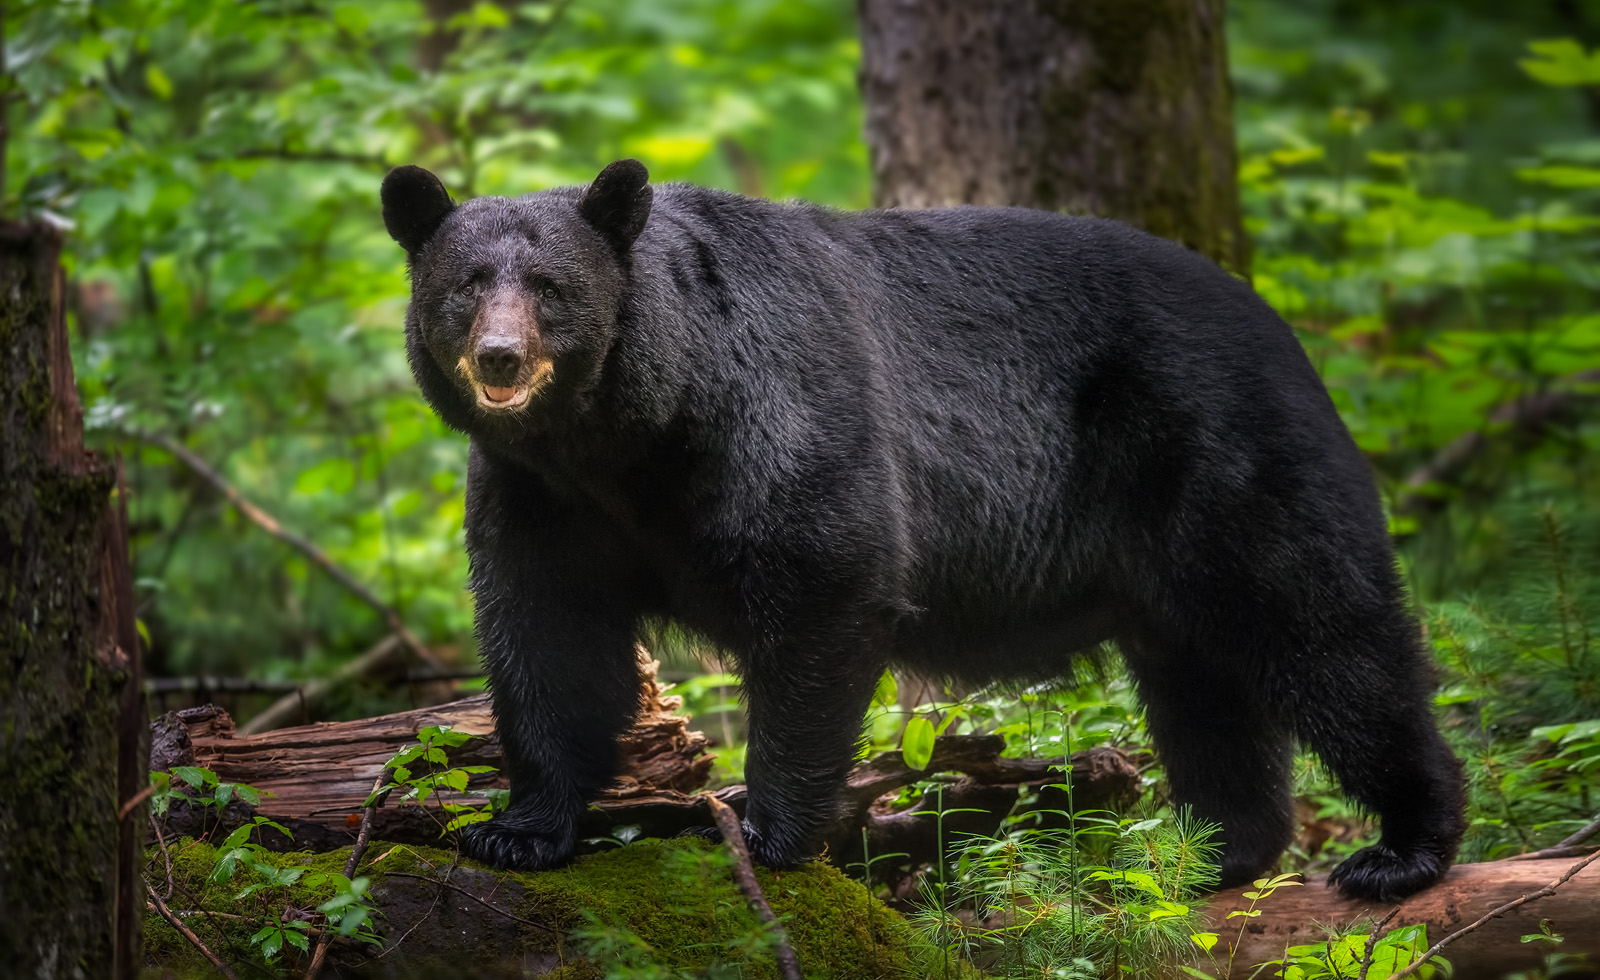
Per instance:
x=677, y=896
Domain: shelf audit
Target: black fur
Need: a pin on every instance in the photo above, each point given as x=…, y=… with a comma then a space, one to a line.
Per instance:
x=970, y=441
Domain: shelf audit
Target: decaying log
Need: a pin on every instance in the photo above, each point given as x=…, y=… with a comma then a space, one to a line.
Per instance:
x=1101, y=778
x=319, y=775
x=1296, y=916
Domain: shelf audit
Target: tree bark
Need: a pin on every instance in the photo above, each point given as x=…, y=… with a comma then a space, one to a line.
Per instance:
x=71, y=901
x=1116, y=108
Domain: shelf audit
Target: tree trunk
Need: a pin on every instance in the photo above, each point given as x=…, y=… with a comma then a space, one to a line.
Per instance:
x=1116, y=108
x=71, y=902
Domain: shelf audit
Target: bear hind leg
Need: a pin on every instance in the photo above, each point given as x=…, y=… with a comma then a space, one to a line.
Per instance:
x=1367, y=712
x=1226, y=756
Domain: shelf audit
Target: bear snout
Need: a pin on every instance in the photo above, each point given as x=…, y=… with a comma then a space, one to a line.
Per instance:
x=498, y=362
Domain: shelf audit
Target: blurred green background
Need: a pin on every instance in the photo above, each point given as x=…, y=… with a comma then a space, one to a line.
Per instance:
x=1421, y=183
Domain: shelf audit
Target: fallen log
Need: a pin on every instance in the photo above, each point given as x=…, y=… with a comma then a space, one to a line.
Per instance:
x=319, y=775
x=1303, y=915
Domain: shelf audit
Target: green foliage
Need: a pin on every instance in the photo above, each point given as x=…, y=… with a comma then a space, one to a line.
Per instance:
x=233, y=285
x=1346, y=955
x=284, y=899
x=1041, y=903
x=437, y=776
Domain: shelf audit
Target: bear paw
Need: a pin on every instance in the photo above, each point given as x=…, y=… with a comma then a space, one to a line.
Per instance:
x=761, y=851
x=1382, y=874
x=514, y=846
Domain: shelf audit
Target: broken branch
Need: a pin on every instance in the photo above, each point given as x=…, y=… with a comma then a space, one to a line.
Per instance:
x=270, y=524
x=360, y=848
x=745, y=874
x=187, y=933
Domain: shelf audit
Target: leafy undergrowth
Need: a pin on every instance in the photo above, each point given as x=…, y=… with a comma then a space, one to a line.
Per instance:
x=652, y=909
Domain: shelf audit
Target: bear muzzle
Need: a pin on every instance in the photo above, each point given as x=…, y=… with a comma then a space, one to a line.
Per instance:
x=502, y=379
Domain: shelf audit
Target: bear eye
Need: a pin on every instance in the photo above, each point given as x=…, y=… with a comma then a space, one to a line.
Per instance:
x=549, y=292
x=467, y=290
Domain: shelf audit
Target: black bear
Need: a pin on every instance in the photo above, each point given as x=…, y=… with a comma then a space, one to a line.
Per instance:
x=971, y=441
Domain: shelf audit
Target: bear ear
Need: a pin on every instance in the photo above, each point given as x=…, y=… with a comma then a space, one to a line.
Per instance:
x=415, y=204
x=617, y=204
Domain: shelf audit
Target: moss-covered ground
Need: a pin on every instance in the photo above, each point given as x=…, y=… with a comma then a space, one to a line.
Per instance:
x=668, y=907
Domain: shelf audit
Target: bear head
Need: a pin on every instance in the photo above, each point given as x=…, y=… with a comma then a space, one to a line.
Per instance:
x=514, y=301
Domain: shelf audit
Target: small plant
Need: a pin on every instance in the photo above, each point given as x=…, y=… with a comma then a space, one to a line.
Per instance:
x=200, y=788
x=1346, y=955
x=284, y=894
x=1039, y=908
x=437, y=775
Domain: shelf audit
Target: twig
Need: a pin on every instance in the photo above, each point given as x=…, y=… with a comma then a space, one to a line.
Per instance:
x=313, y=931
x=321, y=952
x=745, y=874
x=1569, y=847
x=284, y=710
x=138, y=798
x=161, y=839
x=1544, y=892
x=188, y=933
x=270, y=524
x=1372, y=943
x=463, y=891
x=414, y=926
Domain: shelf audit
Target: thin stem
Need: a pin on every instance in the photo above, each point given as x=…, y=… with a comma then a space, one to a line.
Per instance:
x=187, y=933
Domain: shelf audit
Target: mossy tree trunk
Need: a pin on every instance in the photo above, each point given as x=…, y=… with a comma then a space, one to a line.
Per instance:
x=1117, y=108
x=71, y=900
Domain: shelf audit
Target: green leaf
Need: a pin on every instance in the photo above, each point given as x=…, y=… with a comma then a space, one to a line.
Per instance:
x=1562, y=62
x=337, y=475
x=239, y=835
x=476, y=816
x=351, y=18
x=1568, y=177
x=408, y=754
x=270, y=939
x=916, y=745
x=160, y=84
x=887, y=692
x=1205, y=940
x=194, y=776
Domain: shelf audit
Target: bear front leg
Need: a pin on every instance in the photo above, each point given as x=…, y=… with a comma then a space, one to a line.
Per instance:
x=556, y=633
x=806, y=711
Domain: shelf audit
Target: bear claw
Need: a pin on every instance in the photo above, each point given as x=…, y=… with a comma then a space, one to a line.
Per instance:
x=1382, y=874
x=505, y=845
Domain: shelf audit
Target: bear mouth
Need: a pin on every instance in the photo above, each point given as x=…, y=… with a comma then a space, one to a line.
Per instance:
x=509, y=398
x=503, y=399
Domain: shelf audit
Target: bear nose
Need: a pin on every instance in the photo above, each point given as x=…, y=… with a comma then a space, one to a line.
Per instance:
x=499, y=363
